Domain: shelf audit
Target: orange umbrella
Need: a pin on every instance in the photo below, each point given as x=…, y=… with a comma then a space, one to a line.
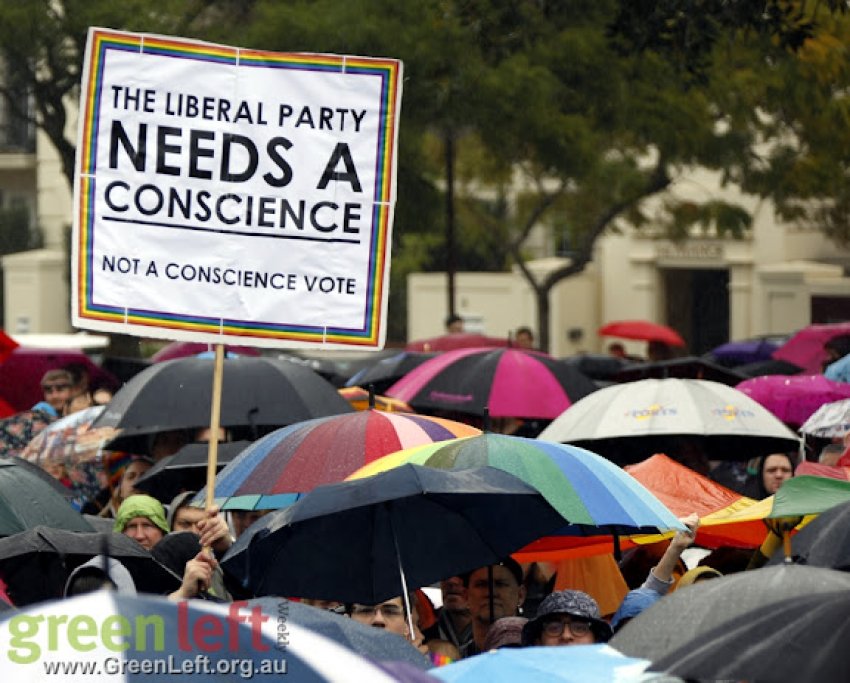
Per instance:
x=358, y=397
x=684, y=491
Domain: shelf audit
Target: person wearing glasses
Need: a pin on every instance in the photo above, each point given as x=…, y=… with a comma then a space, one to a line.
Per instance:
x=389, y=615
x=567, y=618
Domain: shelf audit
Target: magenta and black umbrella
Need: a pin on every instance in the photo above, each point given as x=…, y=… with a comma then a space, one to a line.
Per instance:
x=387, y=371
x=502, y=382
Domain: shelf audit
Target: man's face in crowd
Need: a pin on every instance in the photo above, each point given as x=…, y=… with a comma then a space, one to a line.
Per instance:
x=777, y=470
x=186, y=519
x=144, y=532
x=454, y=595
x=508, y=596
x=389, y=615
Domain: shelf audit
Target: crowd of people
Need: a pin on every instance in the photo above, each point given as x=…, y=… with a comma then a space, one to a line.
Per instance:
x=501, y=605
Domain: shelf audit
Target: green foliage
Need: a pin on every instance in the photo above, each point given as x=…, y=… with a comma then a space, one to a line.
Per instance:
x=566, y=113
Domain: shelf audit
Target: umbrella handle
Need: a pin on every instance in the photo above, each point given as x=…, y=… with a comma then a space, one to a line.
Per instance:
x=786, y=545
x=404, y=594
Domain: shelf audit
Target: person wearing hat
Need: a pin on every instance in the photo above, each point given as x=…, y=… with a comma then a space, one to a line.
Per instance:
x=142, y=518
x=567, y=618
x=485, y=607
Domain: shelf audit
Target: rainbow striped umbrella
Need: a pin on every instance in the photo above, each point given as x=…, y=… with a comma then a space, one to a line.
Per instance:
x=271, y=472
x=592, y=493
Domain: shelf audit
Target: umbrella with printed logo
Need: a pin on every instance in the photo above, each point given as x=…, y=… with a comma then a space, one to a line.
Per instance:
x=107, y=636
x=630, y=422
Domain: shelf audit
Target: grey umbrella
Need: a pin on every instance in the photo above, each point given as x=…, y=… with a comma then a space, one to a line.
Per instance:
x=695, y=610
x=256, y=392
x=825, y=542
x=801, y=639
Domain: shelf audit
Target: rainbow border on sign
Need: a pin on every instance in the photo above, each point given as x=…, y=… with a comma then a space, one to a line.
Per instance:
x=385, y=69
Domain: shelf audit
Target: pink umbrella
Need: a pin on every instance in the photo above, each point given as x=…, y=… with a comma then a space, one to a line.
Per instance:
x=503, y=382
x=21, y=373
x=805, y=348
x=794, y=398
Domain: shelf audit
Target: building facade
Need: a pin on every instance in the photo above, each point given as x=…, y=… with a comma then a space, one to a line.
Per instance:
x=773, y=281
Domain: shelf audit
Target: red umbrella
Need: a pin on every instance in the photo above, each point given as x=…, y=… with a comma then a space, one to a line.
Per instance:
x=794, y=398
x=504, y=382
x=642, y=330
x=458, y=340
x=302, y=456
x=21, y=373
x=805, y=348
x=7, y=345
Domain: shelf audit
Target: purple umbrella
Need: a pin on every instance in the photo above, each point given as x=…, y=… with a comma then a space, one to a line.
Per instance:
x=742, y=352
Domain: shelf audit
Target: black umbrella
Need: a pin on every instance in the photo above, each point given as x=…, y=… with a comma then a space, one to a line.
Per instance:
x=824, y=542
x=374, y=643
x=769, y=367
x=256, y=392
x=362, y=540
x=36, y=563
x=28, y=498
x=691, y=612
x=688, y=367
x=385, y=372
x=798, y=639
x=186, y=470
x=597, y=366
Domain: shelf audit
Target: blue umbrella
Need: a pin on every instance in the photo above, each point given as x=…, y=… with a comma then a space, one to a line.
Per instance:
x=592, y=493
x=574, y=663
x=110, y=636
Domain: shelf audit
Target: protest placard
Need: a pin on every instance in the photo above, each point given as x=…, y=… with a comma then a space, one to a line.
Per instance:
x=230, y=195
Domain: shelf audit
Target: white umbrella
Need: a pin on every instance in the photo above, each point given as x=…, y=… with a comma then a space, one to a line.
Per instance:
x=829, y=421
x=106, y=636
x=629, y=422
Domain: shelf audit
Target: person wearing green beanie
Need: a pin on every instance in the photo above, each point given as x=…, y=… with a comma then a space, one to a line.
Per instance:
x=142, y=518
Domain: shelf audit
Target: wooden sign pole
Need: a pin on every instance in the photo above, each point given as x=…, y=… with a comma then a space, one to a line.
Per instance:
x=215, y=424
